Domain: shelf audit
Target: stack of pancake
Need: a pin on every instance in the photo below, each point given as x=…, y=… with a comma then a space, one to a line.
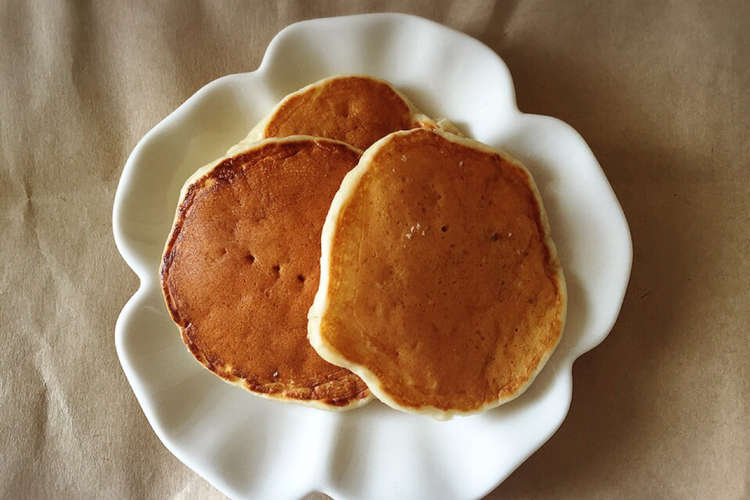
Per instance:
x=351, y=246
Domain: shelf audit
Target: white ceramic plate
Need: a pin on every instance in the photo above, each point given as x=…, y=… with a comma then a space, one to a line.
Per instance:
x=252, y=447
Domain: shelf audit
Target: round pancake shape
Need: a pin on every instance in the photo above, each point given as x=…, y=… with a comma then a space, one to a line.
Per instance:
x=241, y=267
x=355, y=109
x=440, y=285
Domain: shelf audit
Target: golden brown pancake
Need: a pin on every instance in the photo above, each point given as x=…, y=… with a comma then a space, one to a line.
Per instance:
x=440, y=285
x=358, y=110
x=241, y=267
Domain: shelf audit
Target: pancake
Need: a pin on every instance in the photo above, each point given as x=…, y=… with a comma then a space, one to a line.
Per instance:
x=241, y=267
x=358, y=110
x=440, y=286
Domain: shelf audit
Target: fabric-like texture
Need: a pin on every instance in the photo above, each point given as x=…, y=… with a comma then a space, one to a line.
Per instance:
x=659, y=92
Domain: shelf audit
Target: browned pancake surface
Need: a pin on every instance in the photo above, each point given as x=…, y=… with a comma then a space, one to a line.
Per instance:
x=441, y=284
x=242, y=266
x=356, y=110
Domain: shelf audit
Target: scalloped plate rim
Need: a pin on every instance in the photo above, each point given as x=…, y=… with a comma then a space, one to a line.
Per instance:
x=147, y=281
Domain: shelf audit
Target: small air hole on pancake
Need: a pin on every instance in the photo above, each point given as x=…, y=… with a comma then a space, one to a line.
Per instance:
x=444, y=228
x=276, y=268
x=300, y=278
x=250, y=258
x=494, y=236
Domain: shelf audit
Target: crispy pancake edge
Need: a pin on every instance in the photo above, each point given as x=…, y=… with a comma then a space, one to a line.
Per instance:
x=196, y=354
x=320, y=303
x=257, y=133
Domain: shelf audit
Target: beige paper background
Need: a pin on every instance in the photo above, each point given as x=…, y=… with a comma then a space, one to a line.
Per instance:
x=660, y=92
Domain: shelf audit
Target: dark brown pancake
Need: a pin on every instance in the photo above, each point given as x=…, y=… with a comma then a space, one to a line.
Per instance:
x=358, y=110
x=440, y=286
x=242, y=265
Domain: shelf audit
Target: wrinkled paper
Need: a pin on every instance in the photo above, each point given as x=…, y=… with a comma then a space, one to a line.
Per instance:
x=658, y=91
